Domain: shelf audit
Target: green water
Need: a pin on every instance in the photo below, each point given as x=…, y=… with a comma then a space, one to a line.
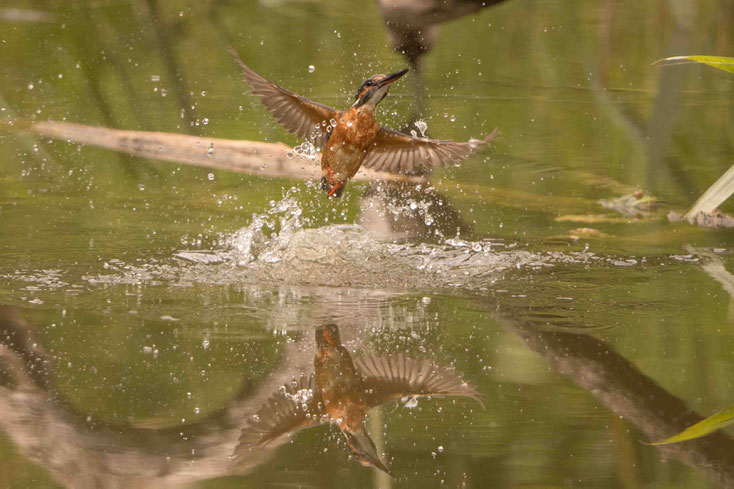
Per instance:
x=584, y=343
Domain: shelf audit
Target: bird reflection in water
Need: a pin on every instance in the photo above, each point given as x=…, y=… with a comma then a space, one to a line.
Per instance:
x=341, y=392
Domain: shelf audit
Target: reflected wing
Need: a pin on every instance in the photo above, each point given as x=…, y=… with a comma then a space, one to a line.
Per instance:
x=283, y=413
x=399, y=153
x=388, y=378
x=297, y=114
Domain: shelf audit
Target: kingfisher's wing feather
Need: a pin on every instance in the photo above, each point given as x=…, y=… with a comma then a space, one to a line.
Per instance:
x=296, y=406
x=297, y=114
x=396, y=152
x=387, y=378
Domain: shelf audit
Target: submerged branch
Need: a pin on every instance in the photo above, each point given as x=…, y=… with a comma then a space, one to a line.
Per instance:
x=80, y=452
x=252, y=157
x=619, y=385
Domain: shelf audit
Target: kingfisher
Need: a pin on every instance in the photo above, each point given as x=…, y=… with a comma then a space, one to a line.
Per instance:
x=353, y=138
x=341, y=391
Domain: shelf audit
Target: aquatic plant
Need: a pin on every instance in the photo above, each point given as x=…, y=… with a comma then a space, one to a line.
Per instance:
x=720, y=62
x=723, y=188
x=703, y=427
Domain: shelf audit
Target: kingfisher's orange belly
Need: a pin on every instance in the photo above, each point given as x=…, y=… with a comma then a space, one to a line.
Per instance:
x=346, y=410
x=344, y=160
x=348, y=144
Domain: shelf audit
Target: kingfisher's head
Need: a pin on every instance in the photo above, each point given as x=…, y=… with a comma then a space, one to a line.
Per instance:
x=375, y=88
x=364, y=450
x=328, y=334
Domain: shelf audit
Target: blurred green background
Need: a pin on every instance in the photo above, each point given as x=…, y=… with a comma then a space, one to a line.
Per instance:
x=582, y=116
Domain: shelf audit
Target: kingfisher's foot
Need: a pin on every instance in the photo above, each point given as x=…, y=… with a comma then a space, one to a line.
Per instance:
x=336, y=190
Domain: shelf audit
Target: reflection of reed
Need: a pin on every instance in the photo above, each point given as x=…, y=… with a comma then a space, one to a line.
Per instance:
x=664, y=115
x=98, y=24
x=175, y=74
x=90, y=69
x=653, y=134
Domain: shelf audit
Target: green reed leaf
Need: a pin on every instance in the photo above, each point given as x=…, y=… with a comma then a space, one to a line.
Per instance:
x=720, y=62
x=703, y=427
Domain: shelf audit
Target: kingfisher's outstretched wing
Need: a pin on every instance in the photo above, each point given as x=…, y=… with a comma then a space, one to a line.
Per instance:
x=387, y=378
x=297, y=114
x=294, y=407
x=396, y=152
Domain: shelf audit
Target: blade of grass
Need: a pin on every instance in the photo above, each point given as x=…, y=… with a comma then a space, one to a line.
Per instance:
x=703, y=427
x=715, y=195
x=720, y=62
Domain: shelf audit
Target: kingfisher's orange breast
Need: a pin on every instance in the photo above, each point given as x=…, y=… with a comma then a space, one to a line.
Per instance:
x=340, y=387
x=350, y=139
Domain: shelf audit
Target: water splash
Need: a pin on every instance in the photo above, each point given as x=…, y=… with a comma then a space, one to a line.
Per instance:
x=422, y=127
x=307, y=149
x=268, y=234
x=281, y=246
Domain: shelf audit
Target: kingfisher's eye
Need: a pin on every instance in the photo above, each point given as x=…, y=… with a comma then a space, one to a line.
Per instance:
x=369, y=83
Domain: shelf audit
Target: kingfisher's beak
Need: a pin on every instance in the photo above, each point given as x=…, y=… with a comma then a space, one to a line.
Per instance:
x=392, y=77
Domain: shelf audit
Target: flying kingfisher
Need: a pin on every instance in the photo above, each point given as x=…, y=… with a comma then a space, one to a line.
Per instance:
x=352, y=138
x=342, y=391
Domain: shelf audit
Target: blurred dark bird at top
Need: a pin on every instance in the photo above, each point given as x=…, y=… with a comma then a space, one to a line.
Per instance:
x=352, y=138
x=342, y=390
x=413, y=24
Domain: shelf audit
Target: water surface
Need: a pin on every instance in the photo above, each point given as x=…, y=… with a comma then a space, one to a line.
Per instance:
x=160, y=304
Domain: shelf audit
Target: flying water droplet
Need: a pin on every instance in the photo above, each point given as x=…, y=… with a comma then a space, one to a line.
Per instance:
x=422, y=127
x=411, y=402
